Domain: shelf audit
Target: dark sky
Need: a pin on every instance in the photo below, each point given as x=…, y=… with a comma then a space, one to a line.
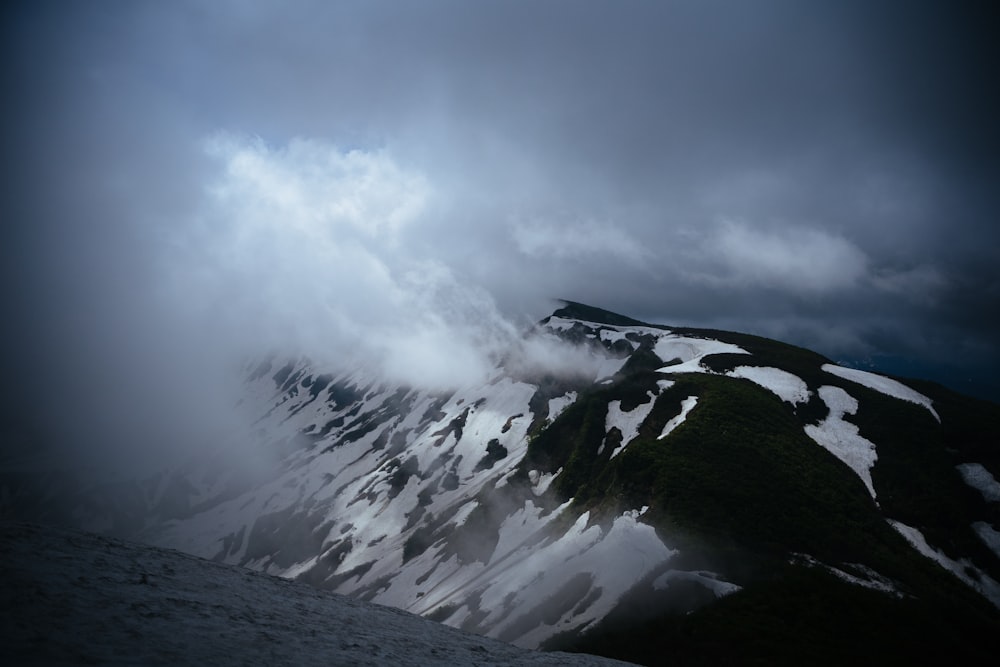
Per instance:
x=186, y=178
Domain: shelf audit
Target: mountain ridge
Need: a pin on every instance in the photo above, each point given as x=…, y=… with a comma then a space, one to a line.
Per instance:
x=712, y=469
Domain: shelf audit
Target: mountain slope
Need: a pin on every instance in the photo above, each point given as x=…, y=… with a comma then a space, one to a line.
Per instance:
x=629, y=502
x=78, y=598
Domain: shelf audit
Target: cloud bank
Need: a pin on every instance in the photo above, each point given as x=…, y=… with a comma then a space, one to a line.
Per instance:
x=191, y=176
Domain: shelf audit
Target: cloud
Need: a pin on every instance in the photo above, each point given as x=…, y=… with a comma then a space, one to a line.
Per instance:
x=300, y=248
x=581, y=240
x=315, y=189
x=304, y=249
x=792, y=259
x=459, y=163
x=923, y=284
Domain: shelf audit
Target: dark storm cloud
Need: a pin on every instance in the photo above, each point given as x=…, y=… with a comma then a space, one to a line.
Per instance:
x=818, y=171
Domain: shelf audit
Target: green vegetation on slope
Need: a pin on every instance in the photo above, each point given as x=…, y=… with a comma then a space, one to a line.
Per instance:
x=800, y=616
x=739, y=488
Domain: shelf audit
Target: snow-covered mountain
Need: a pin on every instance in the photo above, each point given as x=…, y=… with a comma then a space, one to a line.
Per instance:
x=669, y=474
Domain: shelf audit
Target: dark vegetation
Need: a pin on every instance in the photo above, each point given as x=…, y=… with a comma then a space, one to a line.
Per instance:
x=740, y=485
x=494, y=453
x=801, y=616
x=573, y=310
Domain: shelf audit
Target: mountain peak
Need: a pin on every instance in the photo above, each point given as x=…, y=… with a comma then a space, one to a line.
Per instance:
x=572, y=310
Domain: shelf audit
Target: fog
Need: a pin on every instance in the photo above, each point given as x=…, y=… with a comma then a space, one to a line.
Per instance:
x=189, y=184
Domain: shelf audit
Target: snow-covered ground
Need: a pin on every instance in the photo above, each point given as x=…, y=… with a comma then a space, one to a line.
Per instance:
x=557, y=405
x=77, y=598
x=627, y=423
x=383, y=466
x=989, y=536
x=690, y=352
x=841, y=438
x=882, y=384
x=979, y=478
x=709, y=580
x=864, y=576
x=786, y=386
x=686, y=406
x=981, y=582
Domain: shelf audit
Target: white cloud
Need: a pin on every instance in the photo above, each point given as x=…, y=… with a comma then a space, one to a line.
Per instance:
x=316, y=189
x=302, y=249
x=792, y=259
x=538, y=238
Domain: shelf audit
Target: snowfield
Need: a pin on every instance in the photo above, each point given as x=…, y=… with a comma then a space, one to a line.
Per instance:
x=841, y=437
x=385, y=462
x=882, y=384
x=690, y=352
x=76, y=598
x=788, y=387
x=557, y=405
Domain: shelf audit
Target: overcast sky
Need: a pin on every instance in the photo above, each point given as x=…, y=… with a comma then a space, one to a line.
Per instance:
x=318, y=173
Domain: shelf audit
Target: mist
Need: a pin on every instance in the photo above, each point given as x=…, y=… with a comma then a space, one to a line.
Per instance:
x=188, y=186
x=299, y=250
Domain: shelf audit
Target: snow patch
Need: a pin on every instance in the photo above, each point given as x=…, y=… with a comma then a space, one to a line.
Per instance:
x=463, y=513
x=788, y=387
x=610, y=367
x=709, y=580
x=979, y=478
x=560, y=323
x=690, y=351
x=502, y=482
x=883, y=385
x=542, y=572
x=560, y=403
x=871, y=578
x=686, y=406
x=609, y=330
x=540, y=481
x=841, y=438
x=982, y=582
x=613, y=336
x=989, y=536
x=627, y=423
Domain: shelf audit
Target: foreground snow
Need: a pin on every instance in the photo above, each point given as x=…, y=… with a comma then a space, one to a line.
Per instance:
x=78, y=598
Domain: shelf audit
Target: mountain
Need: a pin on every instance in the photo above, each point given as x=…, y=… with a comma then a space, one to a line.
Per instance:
x=645, y=492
